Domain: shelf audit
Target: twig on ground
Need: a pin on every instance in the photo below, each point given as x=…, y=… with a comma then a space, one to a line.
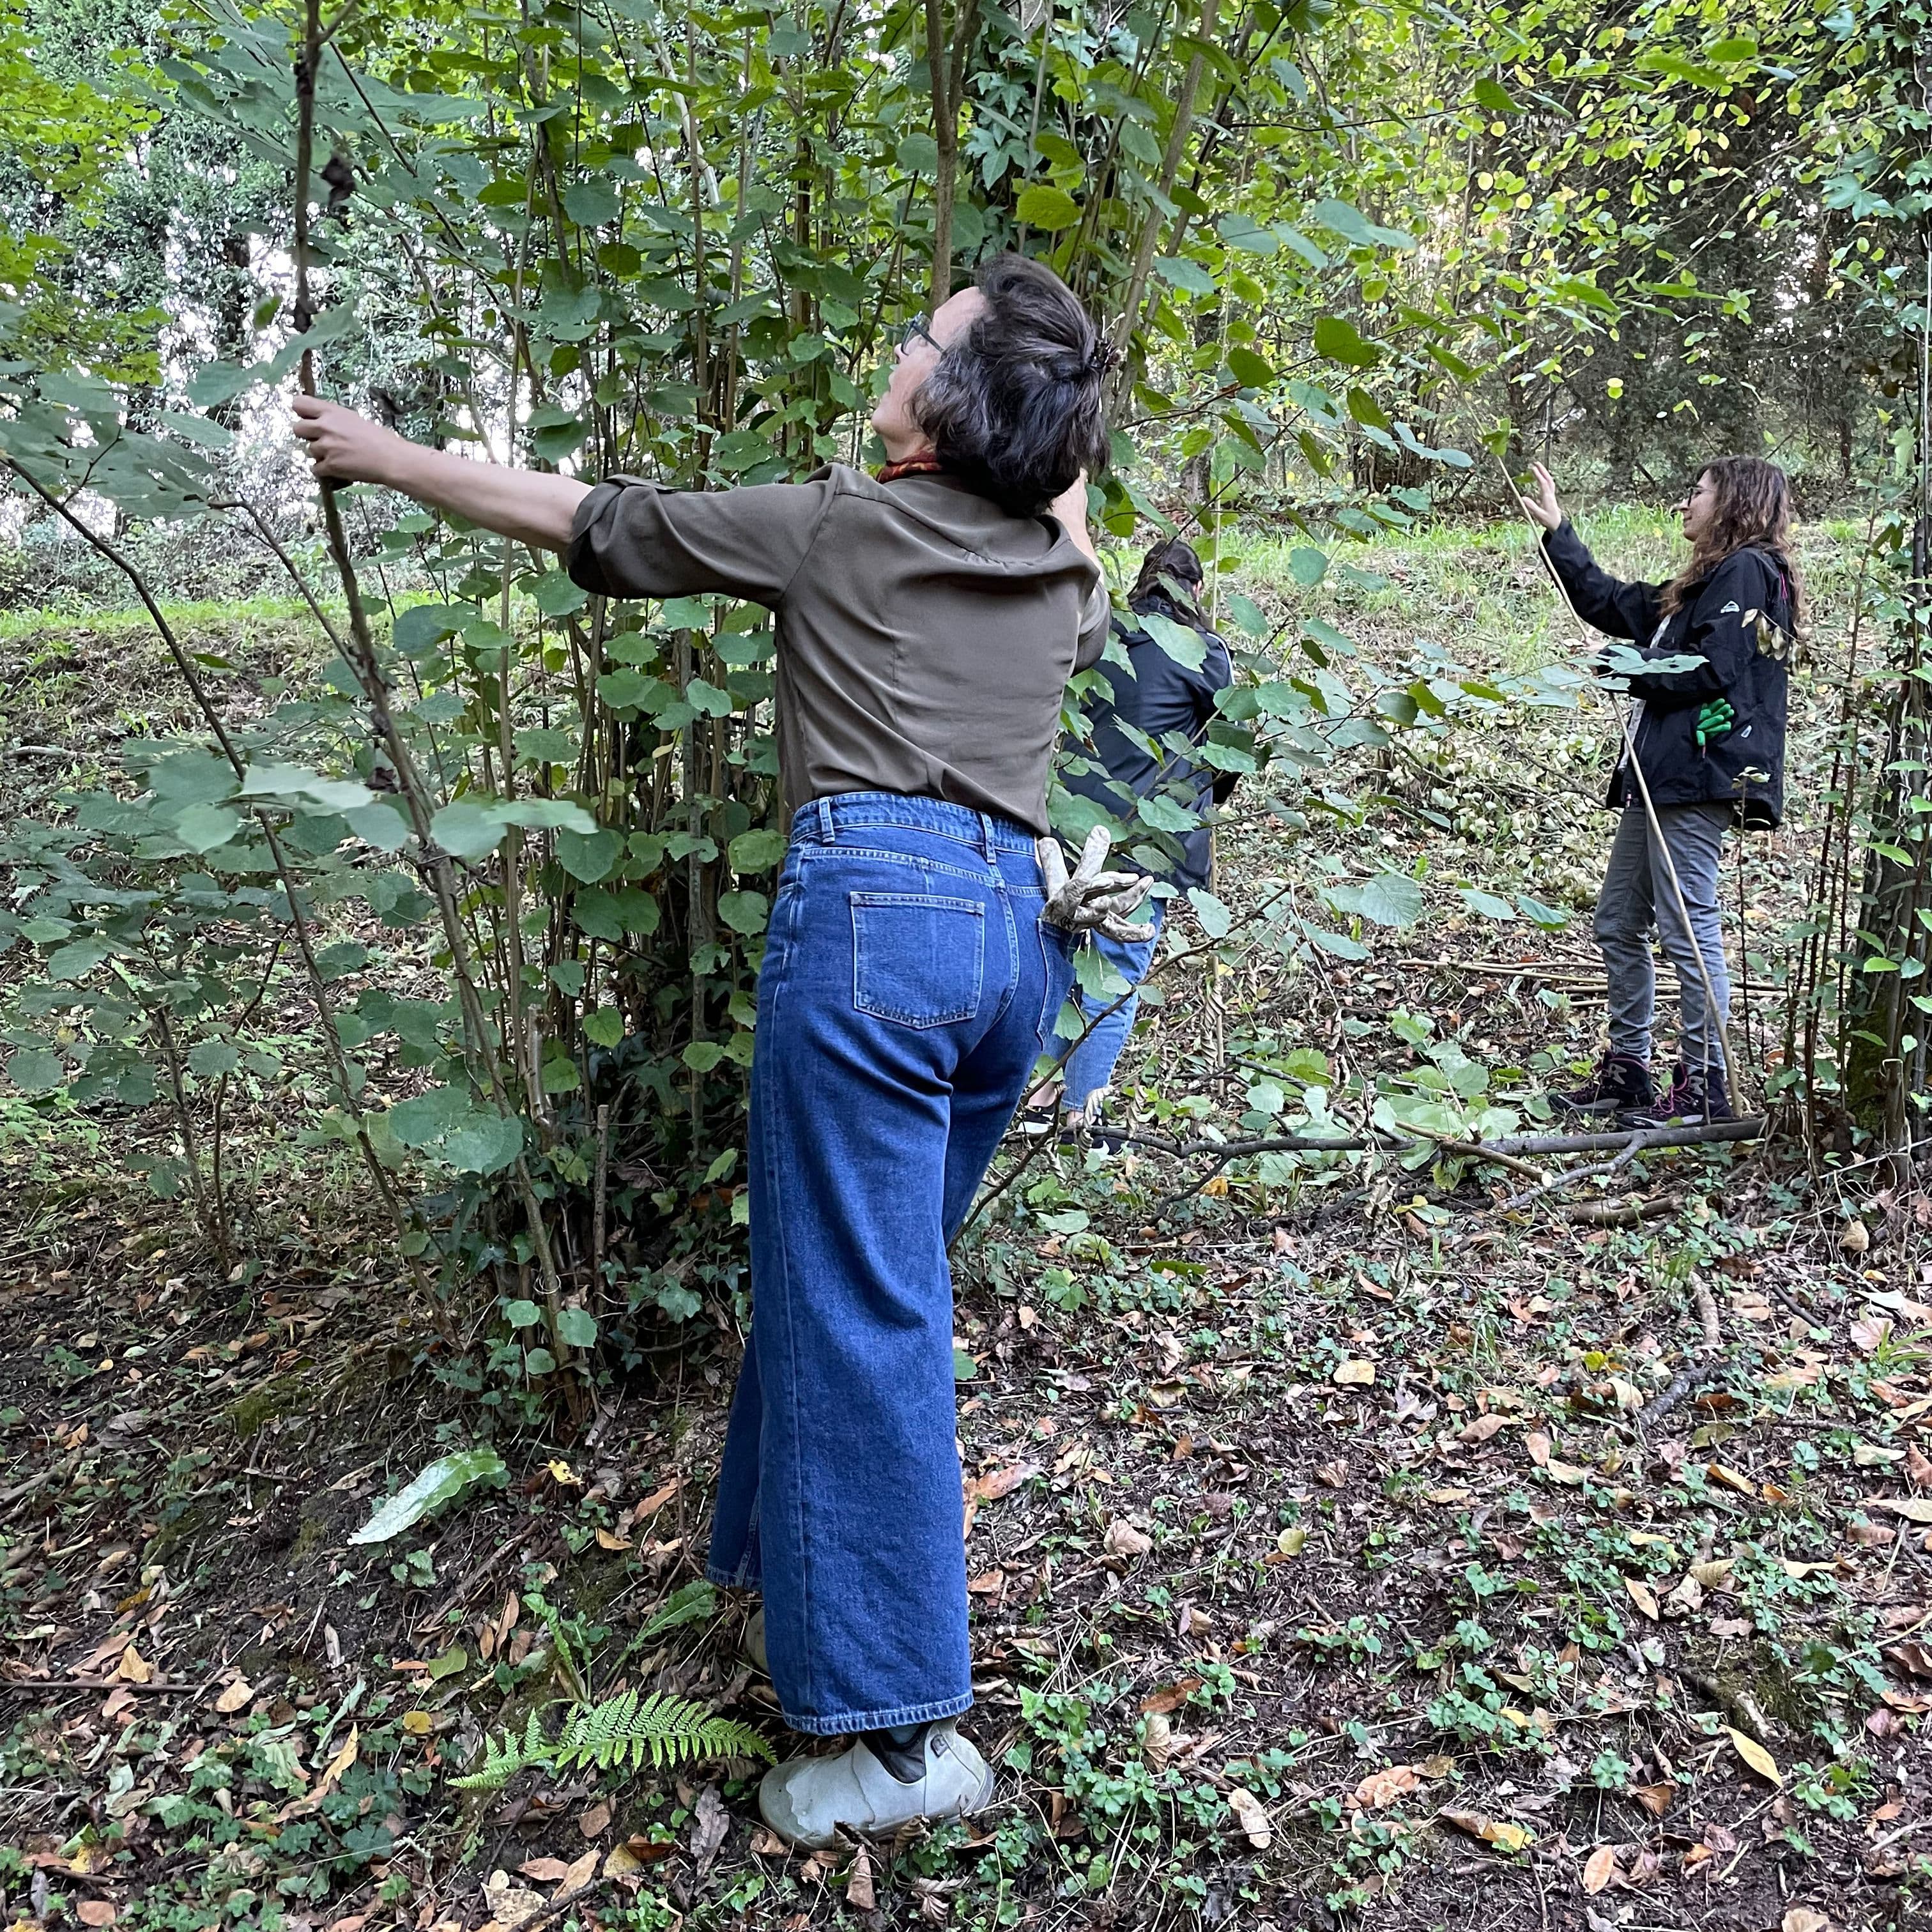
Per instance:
x=1562, y=1181
x=1684, y=1384
x=1707, y=1312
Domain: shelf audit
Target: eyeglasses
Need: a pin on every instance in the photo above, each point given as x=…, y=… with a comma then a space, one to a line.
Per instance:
x=915, y=330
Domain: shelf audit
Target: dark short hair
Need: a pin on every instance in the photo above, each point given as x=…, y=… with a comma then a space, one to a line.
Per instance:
x=1013, y=406
x=1174, y=559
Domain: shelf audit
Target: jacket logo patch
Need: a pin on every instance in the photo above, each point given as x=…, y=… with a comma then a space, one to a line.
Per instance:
x=1733, y=605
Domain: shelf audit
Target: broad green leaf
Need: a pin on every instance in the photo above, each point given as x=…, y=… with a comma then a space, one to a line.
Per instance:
x=212, y=1058
x=522, y=1313
x=604, y=1028
x=205, y=828
x=1190, y=277
x=1250, y=371
x=35, y=1069
x=1548, y=917
x=590, y=856
x=1487, y=904
x=468, y=830
x=1335, y=337
x=486, y=1144
x=1307, y=566
x=577, y=1327
x=744, y=912
x=1181, y=642
x=1215, y=920
x=445, y=1479
x=591, y=204
x=1390, y=898
x=1046, y=208
x=756, y=851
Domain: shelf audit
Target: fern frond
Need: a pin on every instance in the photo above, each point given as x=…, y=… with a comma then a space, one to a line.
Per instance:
x=501, y=1763
x=625, y=1731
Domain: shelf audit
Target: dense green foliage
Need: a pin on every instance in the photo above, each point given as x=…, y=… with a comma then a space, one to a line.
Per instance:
x=1349, y=251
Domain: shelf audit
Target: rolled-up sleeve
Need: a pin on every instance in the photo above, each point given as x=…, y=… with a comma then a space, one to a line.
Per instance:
x=632, y=538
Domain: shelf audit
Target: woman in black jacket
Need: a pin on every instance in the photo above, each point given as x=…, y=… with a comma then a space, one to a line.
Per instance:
x=1157, y=707
x=1709, y=743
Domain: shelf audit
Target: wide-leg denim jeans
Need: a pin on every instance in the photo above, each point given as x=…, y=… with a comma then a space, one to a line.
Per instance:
x=909, y=986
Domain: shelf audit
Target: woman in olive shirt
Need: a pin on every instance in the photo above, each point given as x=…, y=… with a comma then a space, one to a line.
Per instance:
x=927, y=621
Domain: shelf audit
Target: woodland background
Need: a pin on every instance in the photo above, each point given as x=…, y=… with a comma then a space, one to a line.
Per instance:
x=1367, y=1532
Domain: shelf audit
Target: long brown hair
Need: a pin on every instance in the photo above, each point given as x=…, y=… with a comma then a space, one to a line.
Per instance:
x=1754, y=513
x=1170, y=566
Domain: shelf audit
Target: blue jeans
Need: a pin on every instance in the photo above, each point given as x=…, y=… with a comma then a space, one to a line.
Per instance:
x=1090, y=1066
x=1635, y=898
x=908, y=988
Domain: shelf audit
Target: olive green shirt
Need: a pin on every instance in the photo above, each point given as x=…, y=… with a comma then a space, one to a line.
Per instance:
x=925, y=636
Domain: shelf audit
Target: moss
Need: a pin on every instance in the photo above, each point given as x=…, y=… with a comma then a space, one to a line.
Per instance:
x=280, y=1396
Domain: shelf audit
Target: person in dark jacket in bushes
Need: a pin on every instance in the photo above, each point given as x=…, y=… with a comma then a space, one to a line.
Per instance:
x=1709, y=742
x=1159, y=702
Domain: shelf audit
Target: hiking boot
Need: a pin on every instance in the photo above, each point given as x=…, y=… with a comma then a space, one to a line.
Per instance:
x=752, y=1643
x=1697, y=1097
x=809, y=1801
x=1621, y=1082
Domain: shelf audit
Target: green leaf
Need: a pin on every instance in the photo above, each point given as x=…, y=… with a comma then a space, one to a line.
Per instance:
x=539, y=1362
x=1335, y=338
x=1491, y=94
x=487, y=1145
x=35, y=1069
x=468, y=830
x=744, y=912
x=522, y=1313
x=1244, y=233
x=445, y=1479
x=210, y=1058
x=590, y=856
x=554, y=593
x=604, y=1028
x=577, y=1327
x=756, y=851
x=1190, y=277
x=1339, y=218
x=192, y=778
x=1250, y=371
x=1487, y=904
x=538, y=745
x=1215, y=918
x=1048, y=208
x=964, y=1369
x=1538, y=913
x=1307, y=566
x=206, y=828
x=1180, y=642
x=591, y=204
x=1390, y=898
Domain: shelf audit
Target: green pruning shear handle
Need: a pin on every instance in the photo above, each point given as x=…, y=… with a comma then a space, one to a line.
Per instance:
x=1715, y=721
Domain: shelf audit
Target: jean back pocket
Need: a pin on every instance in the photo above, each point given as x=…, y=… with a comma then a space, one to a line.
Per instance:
x=917, y=959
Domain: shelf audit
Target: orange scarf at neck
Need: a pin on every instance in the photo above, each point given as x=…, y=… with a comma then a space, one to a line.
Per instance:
x=925, y=464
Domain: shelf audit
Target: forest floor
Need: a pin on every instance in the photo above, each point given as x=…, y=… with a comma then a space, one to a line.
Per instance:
x=1346, y=1548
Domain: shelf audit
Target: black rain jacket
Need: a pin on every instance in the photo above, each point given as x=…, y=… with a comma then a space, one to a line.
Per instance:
x=1738, y=620
x=1156, y=696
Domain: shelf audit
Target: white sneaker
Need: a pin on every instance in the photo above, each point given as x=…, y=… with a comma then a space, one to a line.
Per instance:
x=808, y=1800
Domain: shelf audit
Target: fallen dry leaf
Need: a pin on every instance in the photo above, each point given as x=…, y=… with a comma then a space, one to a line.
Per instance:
x=1855, y=1241
x=1802, y=1919
x=1722, y=1473
x=1644, y=1597
x=510, y=1903
x=95, y=1911
x=1914, y=1509
x=1170, y=1696
x=1383, y=1787
x=621, y=1862
x=1356, y=1373
x=1715, y=1575
x=992, y=1484
x=578, y=1873
x=859, y=1892
x=133, y=1668
x=1483, y=1428
x=1538, y=1444
x=595, y=1822
x=1599, y=1868
x=562, y=1474
x=1504, y=1835
x=238, y=1694
x=1655, y=1798
x=542, y=1871
x=605, y=1540
x=1253, y=1820
x=1157, y=1740
x=1755, y=1755
x=1122, y=1539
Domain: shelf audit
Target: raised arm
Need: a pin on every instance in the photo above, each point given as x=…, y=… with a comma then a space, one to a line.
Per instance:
x=525, y=505
x=1621, y=609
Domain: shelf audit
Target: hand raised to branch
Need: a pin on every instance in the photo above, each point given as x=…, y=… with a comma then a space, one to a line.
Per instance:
x=1543, y=508
x=344, y=447
x=1091, y=900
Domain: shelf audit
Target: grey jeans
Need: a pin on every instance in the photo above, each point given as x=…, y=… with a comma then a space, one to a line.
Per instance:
x=1636, y=898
